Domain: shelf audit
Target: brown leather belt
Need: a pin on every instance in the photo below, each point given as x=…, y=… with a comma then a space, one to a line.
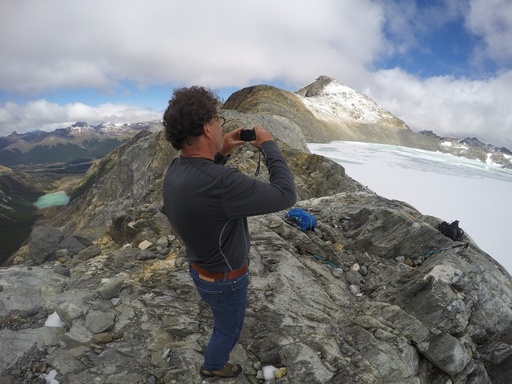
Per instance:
x=220, y=275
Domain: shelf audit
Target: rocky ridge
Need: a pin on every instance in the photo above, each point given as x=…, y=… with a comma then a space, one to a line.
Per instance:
x=376, y=295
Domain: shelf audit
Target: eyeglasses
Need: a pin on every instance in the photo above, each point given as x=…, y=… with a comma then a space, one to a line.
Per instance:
x=221, y=119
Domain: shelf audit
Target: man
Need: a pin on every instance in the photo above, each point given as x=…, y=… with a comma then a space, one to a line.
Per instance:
x=208, y=204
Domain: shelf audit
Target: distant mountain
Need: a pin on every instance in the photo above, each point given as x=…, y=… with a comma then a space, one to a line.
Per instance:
x=77, y=143
x=473, y=148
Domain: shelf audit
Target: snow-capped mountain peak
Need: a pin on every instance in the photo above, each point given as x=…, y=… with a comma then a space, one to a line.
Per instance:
x=80, y=128
x=331, y=101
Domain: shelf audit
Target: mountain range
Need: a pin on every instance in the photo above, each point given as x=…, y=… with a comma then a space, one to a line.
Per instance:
x=377, y=294
x=337, y=111
x=65, y=147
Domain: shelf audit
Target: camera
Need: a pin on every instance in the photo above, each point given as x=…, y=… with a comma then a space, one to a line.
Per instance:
x=247, y=135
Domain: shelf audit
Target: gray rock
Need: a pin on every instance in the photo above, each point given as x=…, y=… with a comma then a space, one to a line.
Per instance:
x=45, y=243
x=60, y=269
x=86, y=254
x=146, y=254
x=26, y=289
x=69, y=311
x=15, y=344
x=111, y=288
x=447, y=353
x=99, y=321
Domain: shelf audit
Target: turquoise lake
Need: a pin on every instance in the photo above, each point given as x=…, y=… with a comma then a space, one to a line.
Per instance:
x=52, y=199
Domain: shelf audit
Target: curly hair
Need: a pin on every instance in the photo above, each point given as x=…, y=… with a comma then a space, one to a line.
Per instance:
x=187, y=112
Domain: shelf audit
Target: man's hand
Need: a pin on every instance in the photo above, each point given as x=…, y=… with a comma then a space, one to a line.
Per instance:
x=261, y=136
x=230, y=141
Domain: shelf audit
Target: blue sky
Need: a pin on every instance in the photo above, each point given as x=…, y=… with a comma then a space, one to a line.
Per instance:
x=444, y=66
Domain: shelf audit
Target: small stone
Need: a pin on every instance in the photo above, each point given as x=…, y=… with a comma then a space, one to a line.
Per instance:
x=61, y=270
x=102, y=338
x=337, y=272
x=353, y=277
x=41, y=367
x=280, y=372
x=115, y=301
x=354, y=289
x=409, y=262
x=97, y=348
x=111, y=288
x=162, y=242
x=145, y=244
x=99, y=321
x=356, y=267
x=179, y=261
x=146, y=254
x=62, y=254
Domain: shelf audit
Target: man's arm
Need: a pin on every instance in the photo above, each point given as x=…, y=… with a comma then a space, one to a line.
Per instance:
x=244, y=196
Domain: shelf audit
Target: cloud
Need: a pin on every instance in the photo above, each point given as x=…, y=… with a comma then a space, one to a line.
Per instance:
x=448, y=106
x=96, y=44
x=492, y=20
x=47, y=116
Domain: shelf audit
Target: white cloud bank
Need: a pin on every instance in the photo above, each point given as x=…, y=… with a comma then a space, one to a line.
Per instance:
x=47, y=116
x=449, y=106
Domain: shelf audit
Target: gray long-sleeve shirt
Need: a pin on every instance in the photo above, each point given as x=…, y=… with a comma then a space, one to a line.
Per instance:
x=208, y=205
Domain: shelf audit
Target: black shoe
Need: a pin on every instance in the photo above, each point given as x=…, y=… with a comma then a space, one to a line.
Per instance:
x=229, y=370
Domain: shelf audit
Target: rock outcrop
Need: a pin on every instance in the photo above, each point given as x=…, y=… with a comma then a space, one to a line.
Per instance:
x=376, y=295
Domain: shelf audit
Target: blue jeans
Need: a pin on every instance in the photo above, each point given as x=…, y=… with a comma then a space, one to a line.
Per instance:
x=228, y=301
